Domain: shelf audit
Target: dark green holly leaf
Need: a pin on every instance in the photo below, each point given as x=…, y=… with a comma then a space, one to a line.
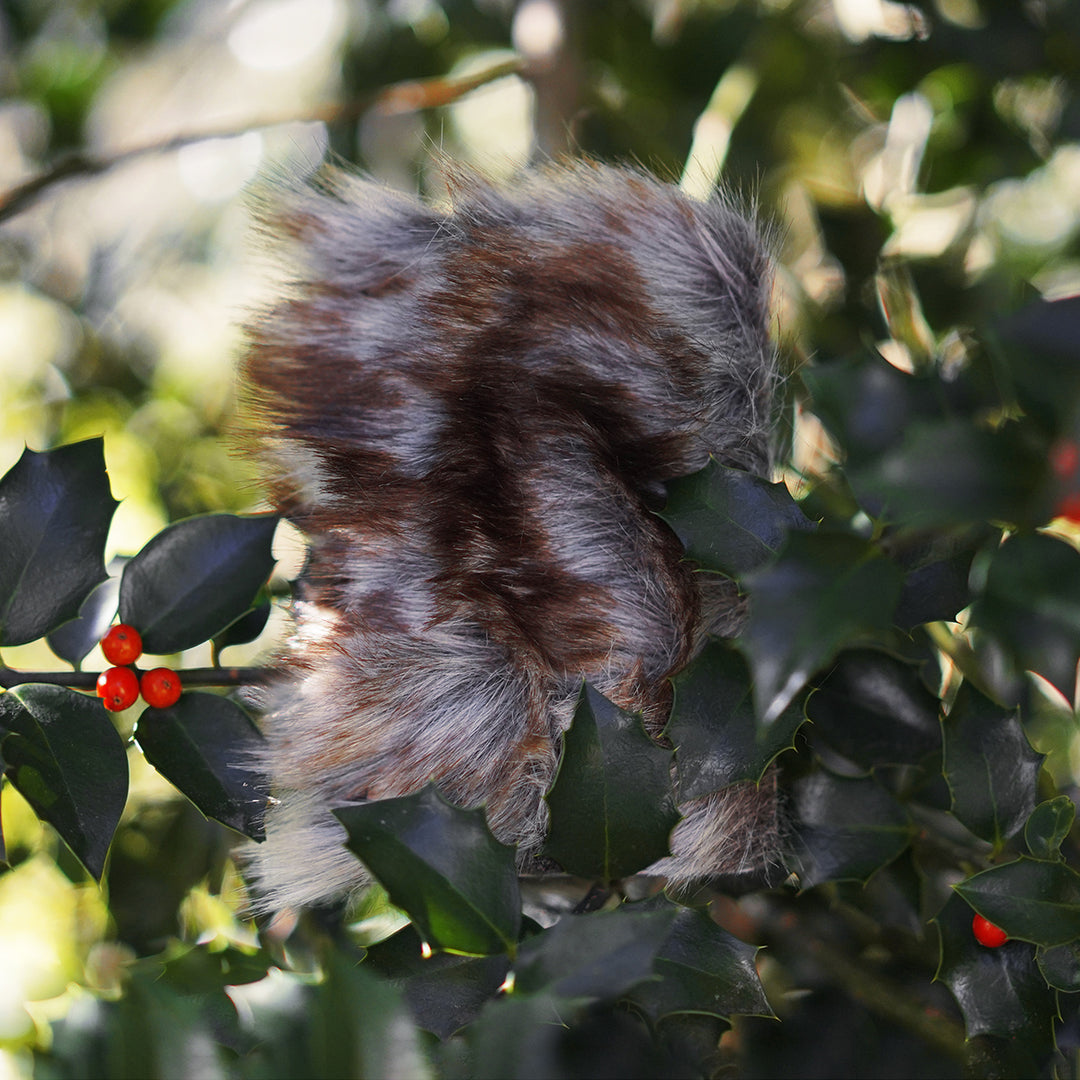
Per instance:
x=729, y=520
x=935, y=590
x=1000, y=991
x=71, y=641
x=595, y=956
x=825, y=591
x=63, y=754
x=205, y=746
x=868, y=404
x=1060, y=966
x=444, y=992
x=875, y=710
x=1030, y=604
x=441, y=865
x=248, y=627
x=55, y=510
x=519, y=1036
x=989, y=765
x=1048, y=826
x=702, y=969
x=360, y=1026
x=847, y=828
x=612, y=804
x=207, y=968
x=1031, y=899
x=950, y=472
x=714, y=728
x=1040, y=348
x=195, y=578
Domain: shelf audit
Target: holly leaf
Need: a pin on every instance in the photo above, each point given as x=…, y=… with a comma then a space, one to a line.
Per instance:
x=55, y=510
x=950, y=472
x=444, y=992
x=825, y=591
x=359, y=1025
x=1060, y=966
x=1030, y=604
x=989, y=765
x=205, y=746
x=868, y=404
x=714, y=728
x=702, y=969
x=66, y=759
x=1048, y=826
x=1000, y=991
x=874, y=710
x=596, y=956
x=612, y=805
x=195, y=578
x=440, y=864
x=847, y=828
x=71, y=641
x=729, y=520
x=1034, y=900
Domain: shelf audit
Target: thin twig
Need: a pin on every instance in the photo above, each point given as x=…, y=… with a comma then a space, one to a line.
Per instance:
x=403, y=97
x=87, y=680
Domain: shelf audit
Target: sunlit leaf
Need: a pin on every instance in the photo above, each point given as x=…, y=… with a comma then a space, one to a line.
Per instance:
x=989, y=765
x=63, y=754
x=195, y=578
x=55, y=510
x=612, y=805
x=825, y=591
x=714, y=727
x=441, y=865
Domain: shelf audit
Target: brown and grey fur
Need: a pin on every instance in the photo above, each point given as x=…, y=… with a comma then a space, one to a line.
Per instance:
x=471, y=413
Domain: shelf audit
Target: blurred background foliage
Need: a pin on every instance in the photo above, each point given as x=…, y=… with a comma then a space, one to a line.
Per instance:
x=919, y=163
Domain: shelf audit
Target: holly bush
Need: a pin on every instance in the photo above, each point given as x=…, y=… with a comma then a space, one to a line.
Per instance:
x=911, y=632
x=905, y=675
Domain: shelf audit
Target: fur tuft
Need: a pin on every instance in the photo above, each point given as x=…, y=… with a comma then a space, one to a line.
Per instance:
x=471, y=414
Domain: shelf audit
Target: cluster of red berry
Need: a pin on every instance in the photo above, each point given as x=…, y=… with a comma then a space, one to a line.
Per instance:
x=119, y=687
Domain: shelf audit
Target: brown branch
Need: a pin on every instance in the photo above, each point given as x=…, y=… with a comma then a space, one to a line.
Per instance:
x=87, y=680
x=403, y=97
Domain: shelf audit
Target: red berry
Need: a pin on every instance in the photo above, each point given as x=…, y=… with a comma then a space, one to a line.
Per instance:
x=1069, y=508
x=118, y=688
x=1065, y=458
x=122, y=645
x=986, y=933
x=161, y=687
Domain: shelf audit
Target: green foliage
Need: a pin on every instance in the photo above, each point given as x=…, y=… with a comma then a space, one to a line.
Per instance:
x=912, y=592
x=612, y=805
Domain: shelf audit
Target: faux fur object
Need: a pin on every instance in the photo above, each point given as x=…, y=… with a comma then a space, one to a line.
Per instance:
x=471, y=414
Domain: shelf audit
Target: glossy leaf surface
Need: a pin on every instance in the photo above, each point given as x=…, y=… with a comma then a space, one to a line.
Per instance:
x=612, y=805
